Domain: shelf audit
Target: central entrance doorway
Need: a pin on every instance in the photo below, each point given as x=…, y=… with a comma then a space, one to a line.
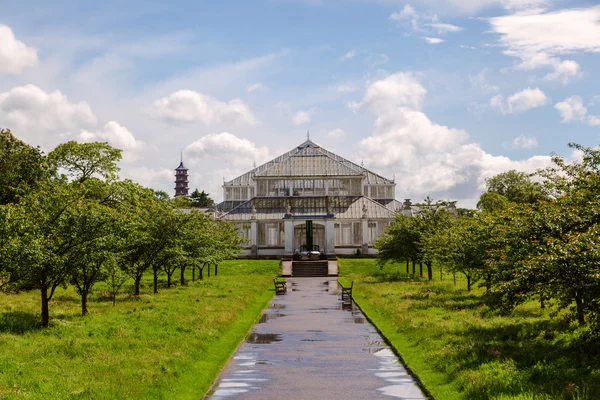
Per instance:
x=309, y=234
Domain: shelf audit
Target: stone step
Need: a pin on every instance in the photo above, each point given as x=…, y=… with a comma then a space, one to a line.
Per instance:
x=309, y=268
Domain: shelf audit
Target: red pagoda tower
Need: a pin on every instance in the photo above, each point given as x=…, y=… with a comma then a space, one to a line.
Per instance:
x=181, y=180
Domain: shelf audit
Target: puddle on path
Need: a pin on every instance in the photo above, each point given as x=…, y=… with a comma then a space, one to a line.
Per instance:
x=277, y=306
x=263, y=338
x=268, y=317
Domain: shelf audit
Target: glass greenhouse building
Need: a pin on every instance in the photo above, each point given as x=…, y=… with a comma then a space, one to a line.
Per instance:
x=310, y=199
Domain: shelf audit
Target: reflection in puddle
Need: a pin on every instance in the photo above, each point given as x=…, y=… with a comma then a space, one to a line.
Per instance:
x=277, y=306
x=263, y=338
x=267, y=317
x=356, y=320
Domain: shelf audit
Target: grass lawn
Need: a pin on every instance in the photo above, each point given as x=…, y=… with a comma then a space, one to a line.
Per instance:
x=165, y=346
x=459, y=349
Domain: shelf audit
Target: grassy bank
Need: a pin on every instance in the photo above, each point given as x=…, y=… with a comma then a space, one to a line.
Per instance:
x=459, y=349
x=164, y=346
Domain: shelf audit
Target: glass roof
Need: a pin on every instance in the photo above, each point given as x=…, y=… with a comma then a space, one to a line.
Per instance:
x=317, y=161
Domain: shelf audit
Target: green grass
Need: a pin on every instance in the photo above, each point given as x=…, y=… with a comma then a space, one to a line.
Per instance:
x=460, y=349
x=165, y=346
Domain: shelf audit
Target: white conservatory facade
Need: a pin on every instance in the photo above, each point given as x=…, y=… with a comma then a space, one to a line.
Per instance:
x=310, y=199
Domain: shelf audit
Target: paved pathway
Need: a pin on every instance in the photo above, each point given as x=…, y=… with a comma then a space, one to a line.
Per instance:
x=307, y=345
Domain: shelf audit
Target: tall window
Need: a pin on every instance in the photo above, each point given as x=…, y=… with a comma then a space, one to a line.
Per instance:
x=348, y=233
x=271, y=234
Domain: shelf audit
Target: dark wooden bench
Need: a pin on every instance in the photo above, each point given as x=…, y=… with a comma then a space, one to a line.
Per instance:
x=280, y=287
x=346, y=291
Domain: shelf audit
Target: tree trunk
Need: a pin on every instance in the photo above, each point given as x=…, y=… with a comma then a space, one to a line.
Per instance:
x=138, y=280
x=430, y=270
x=413, y=263
x=468, y=283
x=114, y=299
x=579, y=305
x=169, y=279
x=216, y=269
x=182, y=276
x=407, y=269
x=209, y=270
x=421, y=269
x=84, y=297
x=155, y=270
x=45, y=312
x=542, y=304
x=194, y=273
x=201, y=270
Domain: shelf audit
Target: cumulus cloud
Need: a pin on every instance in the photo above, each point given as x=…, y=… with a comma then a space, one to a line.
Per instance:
x=427, y=158
x=524, y=142
x=519, y=102
x=14, y=54
x=301, y=118
x=117, y=136
x=185, y=106
x=573, y=109
x=398, y=90
x=42, y=118
x=539, y=39
x=240, y=151
x=431, y=40
x=336, y=133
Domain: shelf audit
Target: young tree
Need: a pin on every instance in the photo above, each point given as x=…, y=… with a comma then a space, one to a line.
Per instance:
x=115, y=277
x=85, y=160
x=22, y=167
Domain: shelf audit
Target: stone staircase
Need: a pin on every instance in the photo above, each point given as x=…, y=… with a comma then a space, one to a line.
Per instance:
x=309, y=268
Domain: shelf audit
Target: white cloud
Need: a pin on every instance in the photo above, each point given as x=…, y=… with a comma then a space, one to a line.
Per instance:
x=519, y=102
x=573, y=109
x=564, y=71
x=336, y=133
x=349, y=55
x=398, y=90
x=524, y=142
x=420, y=22
x=240, y=151
x=443, y=29
x=190, y=106
x=117, y=136
x=427, y=158
x=431, y=40
x=593, y=120
x=408, y=13
x=538, y=38
x=255, y=87
x=346, y=88
x=42, y=118
x=301, y=118
x=14, y=54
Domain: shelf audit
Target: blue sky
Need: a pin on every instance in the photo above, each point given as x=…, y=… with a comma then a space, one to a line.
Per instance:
x=439, y=94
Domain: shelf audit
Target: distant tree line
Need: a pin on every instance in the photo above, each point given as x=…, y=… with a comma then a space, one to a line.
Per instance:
x=533, y=237
x=66, y=218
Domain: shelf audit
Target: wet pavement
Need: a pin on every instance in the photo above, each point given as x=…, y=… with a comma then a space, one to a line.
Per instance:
x=309, y=345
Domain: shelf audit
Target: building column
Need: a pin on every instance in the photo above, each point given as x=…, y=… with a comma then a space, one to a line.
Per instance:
x=254, y=237
x=330, y=237
x=365, y=236
x=288, y=227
